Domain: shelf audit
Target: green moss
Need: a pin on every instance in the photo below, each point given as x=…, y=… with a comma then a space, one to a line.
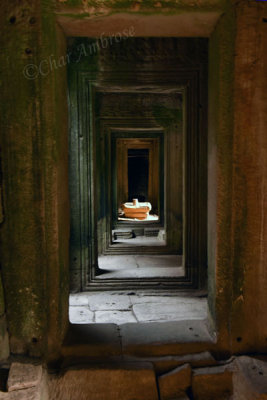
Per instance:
x=147, y=3
x=74, y=2
x=143, y=7
x=77, y=16
x=2, y=301
x=221, y=75
x=167, y=116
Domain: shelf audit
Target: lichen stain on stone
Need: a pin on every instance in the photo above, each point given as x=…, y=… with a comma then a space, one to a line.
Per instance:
x=167, y=116
x=102, y=6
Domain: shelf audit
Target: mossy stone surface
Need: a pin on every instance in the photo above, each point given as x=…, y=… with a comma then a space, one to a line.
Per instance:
x=221, y=81
x=145, y=6
x=34, y=235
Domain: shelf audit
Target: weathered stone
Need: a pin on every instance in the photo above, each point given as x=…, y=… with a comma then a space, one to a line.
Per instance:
x=174, y=310
x=22, y=376
x=165, y=364
x=172, y=338
x=114, y=317
x=33, y=393
x=34, y=235
x=2, y=300
x=108, y=301
x=182, y=24
x=212, y=383
x=4, y=339
x=94, y=340
x=174, y=383
x=250, y=379
x=36, y=213
x=79, y=299
x=127, y=381
x=80, y=315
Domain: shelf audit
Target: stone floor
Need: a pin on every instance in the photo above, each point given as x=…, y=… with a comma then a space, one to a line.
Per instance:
x=137, y=306
x=140, y=266
x=139, y=241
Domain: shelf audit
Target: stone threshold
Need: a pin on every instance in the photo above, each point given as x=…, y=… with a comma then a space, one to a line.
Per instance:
x=140, y=339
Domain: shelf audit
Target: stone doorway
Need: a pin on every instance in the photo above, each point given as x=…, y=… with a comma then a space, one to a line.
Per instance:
x=141, y=95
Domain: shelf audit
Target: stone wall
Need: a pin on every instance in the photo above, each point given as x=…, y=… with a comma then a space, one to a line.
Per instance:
x=34, y=234
x=4, y=340
x=248, y=319
x=35, y=231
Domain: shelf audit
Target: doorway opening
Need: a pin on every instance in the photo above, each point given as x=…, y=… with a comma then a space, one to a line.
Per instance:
x=137, y=193
x=145, y=217
x=138, y=168
x=138, y=164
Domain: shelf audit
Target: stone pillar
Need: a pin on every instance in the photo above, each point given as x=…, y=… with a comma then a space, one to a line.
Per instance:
x=34, y=234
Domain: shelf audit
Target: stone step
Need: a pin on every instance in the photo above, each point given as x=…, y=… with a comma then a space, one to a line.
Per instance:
x=128, y=378
x=162, y=365
x=141, y=340
x=125, y=380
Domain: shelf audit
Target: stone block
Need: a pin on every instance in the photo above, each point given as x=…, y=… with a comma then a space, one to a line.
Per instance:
x=127, y=381
x=33, y=393
x=108, y=301
x=4, y=339
x=174, y=384
x=94, y=340
x=213, y=383
x=184, y=397
x=2, y=300
x=250, y=379
x=78, y=299
x=174, y=310
x=22, y=376
x=172, y=338
x=81, y=315
x=114, y=317
x=165, y=364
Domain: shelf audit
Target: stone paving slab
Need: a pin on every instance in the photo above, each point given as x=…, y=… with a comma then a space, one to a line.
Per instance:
x=163, y=261
x=79, y=299
x=144, y=272
x=134, y=307
x=114, y=317
x=173, y=338
x=175, y=311
x=80, y=315
x=140, y=266
x=116, y=262
x=103, y=301
x=167, y=299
